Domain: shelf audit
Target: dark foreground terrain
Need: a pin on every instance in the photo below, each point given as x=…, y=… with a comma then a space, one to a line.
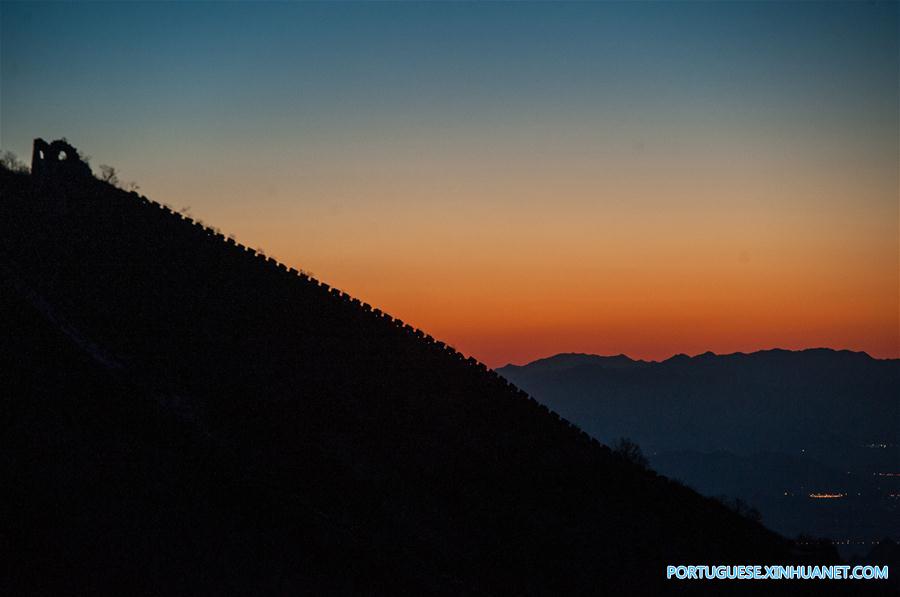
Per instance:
x=183, y=416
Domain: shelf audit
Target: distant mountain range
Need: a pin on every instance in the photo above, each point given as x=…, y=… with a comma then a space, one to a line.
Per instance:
x=771, y=427
x=183, y=415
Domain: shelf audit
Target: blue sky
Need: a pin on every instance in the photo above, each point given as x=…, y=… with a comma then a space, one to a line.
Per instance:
x=574, y=143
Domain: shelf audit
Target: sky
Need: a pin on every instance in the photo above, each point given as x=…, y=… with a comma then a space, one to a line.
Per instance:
x=517, y=179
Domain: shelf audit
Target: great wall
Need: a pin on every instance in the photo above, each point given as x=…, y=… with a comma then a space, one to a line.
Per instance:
x=335, y=428
x=57, y=167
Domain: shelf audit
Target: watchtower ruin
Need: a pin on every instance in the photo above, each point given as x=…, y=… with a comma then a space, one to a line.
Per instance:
x=57, y=160
x=60, y=175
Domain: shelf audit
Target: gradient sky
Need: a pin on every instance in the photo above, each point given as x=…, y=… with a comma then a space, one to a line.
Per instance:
x=516, y=179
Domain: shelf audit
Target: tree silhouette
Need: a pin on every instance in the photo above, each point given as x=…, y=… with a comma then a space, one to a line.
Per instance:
x=739, y=506
x=630, y=451
x=11, y=161
x=109, y=174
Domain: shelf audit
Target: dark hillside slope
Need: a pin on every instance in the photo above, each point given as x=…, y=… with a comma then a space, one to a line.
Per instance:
x=182, y=416
x=104, y=490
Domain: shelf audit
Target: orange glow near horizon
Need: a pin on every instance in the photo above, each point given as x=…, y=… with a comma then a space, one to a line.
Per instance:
x=648, y=260
x=517, y=180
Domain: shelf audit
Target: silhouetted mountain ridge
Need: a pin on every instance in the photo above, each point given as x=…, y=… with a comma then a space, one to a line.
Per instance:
x=568, y=360
x=770, y=427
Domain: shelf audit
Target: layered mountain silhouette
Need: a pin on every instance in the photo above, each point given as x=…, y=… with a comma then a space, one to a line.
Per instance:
x=182, y=415
x=771, y=427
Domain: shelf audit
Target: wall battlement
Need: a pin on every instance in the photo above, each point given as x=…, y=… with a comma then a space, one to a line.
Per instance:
x=127, y=217
x=347, y=301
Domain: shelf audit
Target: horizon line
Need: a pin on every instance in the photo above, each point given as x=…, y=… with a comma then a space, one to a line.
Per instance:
x=701, y=354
